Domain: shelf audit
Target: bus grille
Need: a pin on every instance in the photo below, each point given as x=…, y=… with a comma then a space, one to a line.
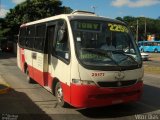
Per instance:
x=117, y=83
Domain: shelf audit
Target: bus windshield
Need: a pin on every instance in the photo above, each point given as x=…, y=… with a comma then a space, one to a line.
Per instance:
x=100, y=43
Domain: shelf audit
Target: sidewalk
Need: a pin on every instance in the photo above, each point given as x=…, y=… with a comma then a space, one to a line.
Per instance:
x=155, y=59
x=154, y=56
x=152, y=75
x=4, y=87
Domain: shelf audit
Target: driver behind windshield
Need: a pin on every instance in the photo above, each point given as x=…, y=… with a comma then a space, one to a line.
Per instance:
x=109, y=44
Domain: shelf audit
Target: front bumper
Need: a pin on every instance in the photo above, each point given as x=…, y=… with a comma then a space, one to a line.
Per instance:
x=85, y=96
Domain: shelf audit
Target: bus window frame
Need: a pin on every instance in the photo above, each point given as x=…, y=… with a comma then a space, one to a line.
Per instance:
x=66, y=61
x=30, y=37
x=53, y=51
x=106, y=68
x=24, y=37
x=43, y=41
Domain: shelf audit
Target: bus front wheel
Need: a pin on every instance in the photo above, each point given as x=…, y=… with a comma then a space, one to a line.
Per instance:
x=59, y=95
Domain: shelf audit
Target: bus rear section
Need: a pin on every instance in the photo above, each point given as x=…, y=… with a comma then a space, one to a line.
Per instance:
x=84, y=60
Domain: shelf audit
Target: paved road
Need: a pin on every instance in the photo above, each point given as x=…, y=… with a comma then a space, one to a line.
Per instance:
x=32, y=102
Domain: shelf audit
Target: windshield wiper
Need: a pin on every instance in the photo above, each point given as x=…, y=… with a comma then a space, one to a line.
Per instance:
x=127, y=56
x=104, y=52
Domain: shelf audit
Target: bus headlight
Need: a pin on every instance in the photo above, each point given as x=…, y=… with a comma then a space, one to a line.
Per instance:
x=83, y=82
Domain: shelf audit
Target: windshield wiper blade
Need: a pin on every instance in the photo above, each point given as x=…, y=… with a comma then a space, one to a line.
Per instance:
x=104, y=52
x=127, y=56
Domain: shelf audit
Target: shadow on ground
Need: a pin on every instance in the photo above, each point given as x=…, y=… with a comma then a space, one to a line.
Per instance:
x=15, y=105
x=6, y=55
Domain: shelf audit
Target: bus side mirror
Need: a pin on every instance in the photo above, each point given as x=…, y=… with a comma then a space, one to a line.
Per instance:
x=62, y=32
x=61, y=35
x=67, y=56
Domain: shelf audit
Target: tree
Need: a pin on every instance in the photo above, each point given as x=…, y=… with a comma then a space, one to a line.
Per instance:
x=129, y=19
x=3, y=28
x=119, y=18
x=152, y=26
x=31, y=10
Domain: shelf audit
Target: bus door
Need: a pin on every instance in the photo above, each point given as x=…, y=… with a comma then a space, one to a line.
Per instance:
x=60, y=60
x=50, y=39
x=38, y=56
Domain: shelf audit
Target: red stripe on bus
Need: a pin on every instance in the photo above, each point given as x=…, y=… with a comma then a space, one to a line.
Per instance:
x=22, y=58
x=84, y=96
x=43, y=78
x=31, y=74
x=66, y=92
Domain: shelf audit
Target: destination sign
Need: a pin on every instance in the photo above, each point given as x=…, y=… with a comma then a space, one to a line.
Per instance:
x=89, y=26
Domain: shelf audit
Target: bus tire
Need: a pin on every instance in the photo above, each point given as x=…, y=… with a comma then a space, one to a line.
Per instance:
x=59, y=95
x=29, y=79
x=155, y=50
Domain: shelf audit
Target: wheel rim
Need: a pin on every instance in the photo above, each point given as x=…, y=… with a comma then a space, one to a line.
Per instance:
x=59, y=94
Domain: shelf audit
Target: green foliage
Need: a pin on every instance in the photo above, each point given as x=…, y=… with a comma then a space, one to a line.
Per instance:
x=2, y=23
x=152, y=25
x=31, y=10
x=4, y=31
x=119, y=18
x=3, y=28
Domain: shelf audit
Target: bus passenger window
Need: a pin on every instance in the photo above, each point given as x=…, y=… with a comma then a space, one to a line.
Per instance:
x=22, y=36
x=40, y=35
x=62, y=44
x=30, y=36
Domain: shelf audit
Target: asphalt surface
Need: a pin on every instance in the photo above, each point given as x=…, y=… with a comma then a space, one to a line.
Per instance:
x=32, y=102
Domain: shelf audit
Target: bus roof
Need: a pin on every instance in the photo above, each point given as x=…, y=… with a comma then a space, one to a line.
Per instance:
x=74, y=15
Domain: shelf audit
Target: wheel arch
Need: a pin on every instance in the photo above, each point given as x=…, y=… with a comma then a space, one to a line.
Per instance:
x=54, y=82
x=25, y=67
x=155, y=50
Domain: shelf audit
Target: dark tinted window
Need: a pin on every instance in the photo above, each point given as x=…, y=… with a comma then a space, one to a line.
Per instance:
x=22, y=36
x=30, y=36
x=62, y=44
x=40, y=36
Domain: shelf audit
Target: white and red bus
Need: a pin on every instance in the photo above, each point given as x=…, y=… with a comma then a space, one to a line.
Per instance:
x=64, y=54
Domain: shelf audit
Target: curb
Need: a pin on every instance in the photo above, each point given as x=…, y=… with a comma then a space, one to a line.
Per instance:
x=5, y=90
x=4, y=87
